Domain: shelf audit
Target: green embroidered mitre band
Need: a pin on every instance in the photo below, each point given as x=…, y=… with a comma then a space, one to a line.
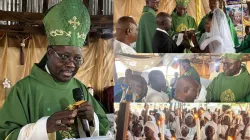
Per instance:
x=67, y=23
x=183, y=3
x=233, y=56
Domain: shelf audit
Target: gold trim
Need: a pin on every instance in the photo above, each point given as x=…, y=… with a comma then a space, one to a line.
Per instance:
x=9, y=135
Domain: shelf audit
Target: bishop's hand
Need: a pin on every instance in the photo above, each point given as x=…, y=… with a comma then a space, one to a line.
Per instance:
x=85, y=111
x=61, y=121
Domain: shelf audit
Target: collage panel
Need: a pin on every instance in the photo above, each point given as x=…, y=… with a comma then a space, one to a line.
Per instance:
x=182, y=121
x=202, y=77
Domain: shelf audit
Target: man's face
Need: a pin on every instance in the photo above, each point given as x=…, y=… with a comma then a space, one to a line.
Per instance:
x=132, y=33
x=148, y=132
x=128, y=72
x=64, y=62
x=209, y=131
x=213, y=4
x=247, y=31
x=154, y=4
x=185, y=66
x=181, y=10
x=231, y=67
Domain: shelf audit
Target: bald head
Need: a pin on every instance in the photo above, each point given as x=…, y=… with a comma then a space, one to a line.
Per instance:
x=187, y=89
x=126, y=30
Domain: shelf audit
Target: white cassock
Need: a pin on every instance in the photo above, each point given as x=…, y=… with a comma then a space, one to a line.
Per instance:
x=38, y=130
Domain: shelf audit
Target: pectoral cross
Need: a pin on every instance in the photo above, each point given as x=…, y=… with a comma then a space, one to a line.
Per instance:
x=22, y=46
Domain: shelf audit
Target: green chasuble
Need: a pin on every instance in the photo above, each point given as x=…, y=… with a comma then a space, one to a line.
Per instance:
x=193, y=73
x=201, y=28
x=230, y=88
x=37, y=96
x=147, y=28
x=182, y=23
x=244, y=46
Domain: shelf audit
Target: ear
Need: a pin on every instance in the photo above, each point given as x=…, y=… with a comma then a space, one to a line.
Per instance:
x=186, y=90
x=128, y=31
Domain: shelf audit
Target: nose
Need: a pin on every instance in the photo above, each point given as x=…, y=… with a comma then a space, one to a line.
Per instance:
x=71, y=63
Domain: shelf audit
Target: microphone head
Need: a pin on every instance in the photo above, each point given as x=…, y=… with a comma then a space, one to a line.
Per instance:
x=77, y=94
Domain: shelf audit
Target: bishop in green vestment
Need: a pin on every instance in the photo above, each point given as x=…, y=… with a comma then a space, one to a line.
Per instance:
x=35, y=106
x=232, y=85
x=201, y=27
x=147, y=27
x=181, y=21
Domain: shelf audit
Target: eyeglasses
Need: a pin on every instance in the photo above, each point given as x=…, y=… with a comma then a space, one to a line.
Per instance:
x=228, y=64
x=65, y=58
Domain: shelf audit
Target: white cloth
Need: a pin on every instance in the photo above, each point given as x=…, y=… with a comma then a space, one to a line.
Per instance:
x=152, y=125
x=204, y=36
x=155, y=96
x=213, y=75
x=222, y=129
x=202, y=96
x=174, y=101
x=221, y=40
x=209, y=123
x=120, y=47
x=192, y=131
x=38, y=130
x=207, y=115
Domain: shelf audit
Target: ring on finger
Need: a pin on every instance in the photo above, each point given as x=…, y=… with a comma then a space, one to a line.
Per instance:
x=59, y=122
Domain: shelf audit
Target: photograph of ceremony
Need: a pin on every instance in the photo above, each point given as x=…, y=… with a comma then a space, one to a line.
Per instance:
x=182, y=121
x=181, y=26
x=182, y=78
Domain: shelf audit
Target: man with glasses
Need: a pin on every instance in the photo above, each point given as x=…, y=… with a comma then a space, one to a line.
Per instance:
x=147, y=27
x=232, y=85
x=36, y=107
x=126, y=34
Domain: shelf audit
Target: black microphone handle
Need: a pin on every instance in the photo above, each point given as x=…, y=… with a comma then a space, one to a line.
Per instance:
x=85, y=126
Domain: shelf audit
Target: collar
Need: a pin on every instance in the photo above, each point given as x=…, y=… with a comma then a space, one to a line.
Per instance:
x=162, y=31
x=176, y=100
x=47, y=69
x=147, y=9
x=239, y=72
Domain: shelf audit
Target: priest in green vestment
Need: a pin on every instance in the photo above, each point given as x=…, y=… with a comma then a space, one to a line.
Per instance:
x=232, y=85
x=147, y=27
x=181, y=21
x=213, y=4
x=35, y=108
x=190, y=71
x=245, y=44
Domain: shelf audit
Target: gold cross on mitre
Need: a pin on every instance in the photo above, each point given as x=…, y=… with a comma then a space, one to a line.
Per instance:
x=74, y=22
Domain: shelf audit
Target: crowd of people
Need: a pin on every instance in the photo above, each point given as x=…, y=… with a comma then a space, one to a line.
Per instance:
x=185, y=123
x=178, y=32
x=231, y=85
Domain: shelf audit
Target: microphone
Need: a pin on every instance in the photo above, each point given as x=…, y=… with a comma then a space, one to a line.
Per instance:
x=78, y=96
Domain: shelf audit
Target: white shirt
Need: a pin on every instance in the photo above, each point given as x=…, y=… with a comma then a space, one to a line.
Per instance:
x=155, y=96
x=213, y=75
x=158, y=29
x=120, y=47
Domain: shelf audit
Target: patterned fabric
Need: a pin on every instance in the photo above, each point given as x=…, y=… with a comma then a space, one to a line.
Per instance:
x=232, y=56
x=67, y=23
x=182, y=2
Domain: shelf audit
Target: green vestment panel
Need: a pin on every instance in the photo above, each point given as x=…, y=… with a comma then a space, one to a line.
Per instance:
x=147, y=28
x=230, y=88
x=182, y=23
x=39, y=95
